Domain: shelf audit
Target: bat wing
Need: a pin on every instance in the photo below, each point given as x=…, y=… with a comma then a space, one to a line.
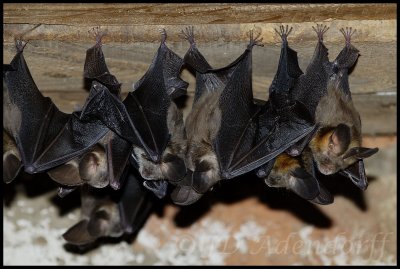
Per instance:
x=312, y=85
x=207, y=78
x=95, y=67
x=344, y=61
x=47, y=138
x=32, y=120
x=135, y=203
x=284, y=106
x=118, y=153
x=287, y=73
x=142, y=117
x=253, y=135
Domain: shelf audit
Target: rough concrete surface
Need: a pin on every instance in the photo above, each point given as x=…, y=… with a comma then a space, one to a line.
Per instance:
x=241, y=221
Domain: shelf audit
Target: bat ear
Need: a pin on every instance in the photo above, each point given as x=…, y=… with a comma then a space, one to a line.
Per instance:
x=66, y=174
x=175, y=167
x=202, y=182
x=324, y=197
x=98, y=223
x=304, y=184
x=158, y=187
x=340, y=139
x=360, y=152
x=356, y=173
x=78, y=234
x=93, y=168
x=11, y=167
x=184, y=193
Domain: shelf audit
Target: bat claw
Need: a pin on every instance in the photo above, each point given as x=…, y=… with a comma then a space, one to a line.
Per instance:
x=188, y=34
x=255, y=41
x=320, y=30
x=348, y=34
x=20, y=44
x=98, y=34
x=284, y=33
x=163, y=33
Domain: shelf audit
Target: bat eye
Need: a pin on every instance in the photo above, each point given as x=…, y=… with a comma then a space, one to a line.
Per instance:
x=330, y=146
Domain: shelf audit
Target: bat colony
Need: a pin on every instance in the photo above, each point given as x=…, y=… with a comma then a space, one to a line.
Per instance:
x=309, y=125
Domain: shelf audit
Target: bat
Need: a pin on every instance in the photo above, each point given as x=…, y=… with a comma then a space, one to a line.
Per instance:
x=289, y=170
x=339, y=127
x=109, y=213
x=298, y=174
x=227, y=133
x=337, y=145
x=45, y=137
x=106, y=161
x=148, y=118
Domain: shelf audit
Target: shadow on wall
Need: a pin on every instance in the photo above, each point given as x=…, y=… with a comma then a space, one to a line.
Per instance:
x=226, y=192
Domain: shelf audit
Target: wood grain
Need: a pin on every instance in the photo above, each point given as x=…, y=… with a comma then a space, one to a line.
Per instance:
x=178, y=14
x=56, y=51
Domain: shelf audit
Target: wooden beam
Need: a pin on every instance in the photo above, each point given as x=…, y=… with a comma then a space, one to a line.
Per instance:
x=178, y=14
x=57, y=47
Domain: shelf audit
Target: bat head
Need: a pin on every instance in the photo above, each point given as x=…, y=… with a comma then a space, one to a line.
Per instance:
x=290, y=172
x=91, y=169
x=338, y=150
x=170, y=167
x=193, y=186
x=102, y=222
x=202, y=173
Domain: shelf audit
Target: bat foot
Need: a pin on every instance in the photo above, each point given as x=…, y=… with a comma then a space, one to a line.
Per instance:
x=255, y=41
x=320, y=30
x=98, y=34
x=188, y=34
x=163, y=33
x=347, y=34
x=284, y=33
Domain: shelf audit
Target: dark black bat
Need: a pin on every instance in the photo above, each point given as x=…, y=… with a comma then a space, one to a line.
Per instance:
x=109, y=213
x=148, y=118
x=228, y=134
x=47, y=138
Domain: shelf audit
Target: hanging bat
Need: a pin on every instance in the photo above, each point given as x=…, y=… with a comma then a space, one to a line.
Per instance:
x=337, y=145
x=334, y=114
x=45, y=137
x=227, y=133
x=298, y=174
x=106, y=161
x=148, y=118
x=289, y=170
x=109, y=213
